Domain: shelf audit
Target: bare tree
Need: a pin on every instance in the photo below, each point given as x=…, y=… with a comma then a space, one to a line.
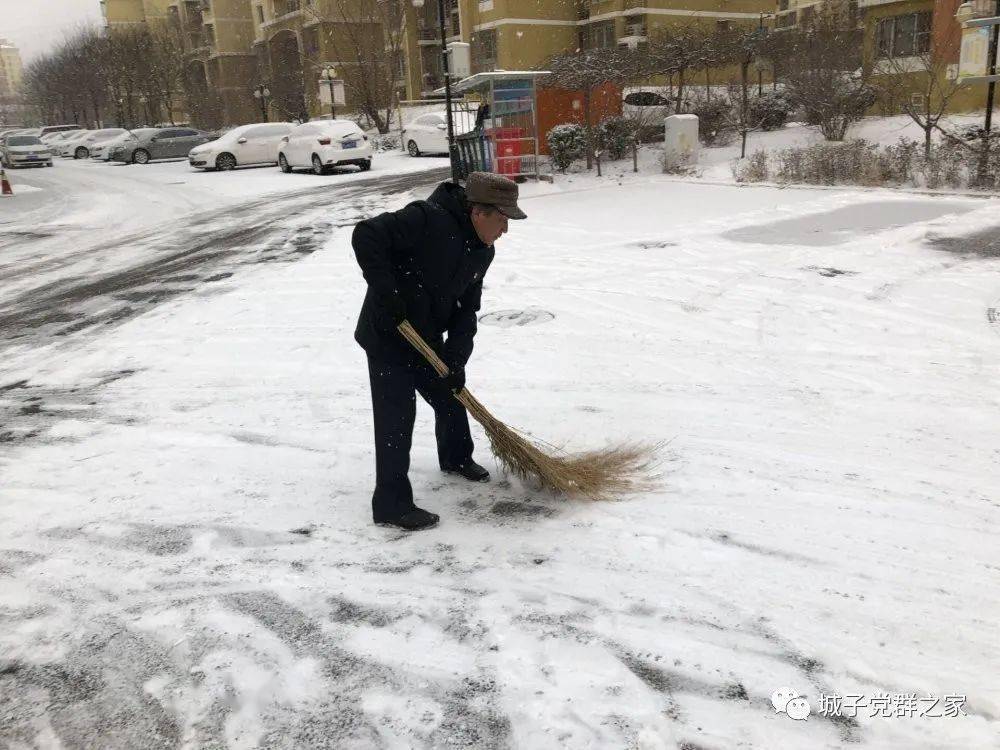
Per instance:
x=825, y=76
x=919, y=86
x=368, y=33
x=740, y=46
x=677, y=51
x=166, y=67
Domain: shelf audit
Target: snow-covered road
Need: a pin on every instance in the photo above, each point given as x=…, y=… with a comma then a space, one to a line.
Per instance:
x=187, y=559
x=107, y=241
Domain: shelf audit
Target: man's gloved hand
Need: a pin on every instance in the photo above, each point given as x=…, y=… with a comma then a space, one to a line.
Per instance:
x=454, y=381
x=395, y=308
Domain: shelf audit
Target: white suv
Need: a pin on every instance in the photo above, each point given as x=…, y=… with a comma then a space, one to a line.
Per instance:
x=323, y=145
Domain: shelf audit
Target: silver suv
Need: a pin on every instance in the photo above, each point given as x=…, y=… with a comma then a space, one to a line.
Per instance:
x=165, y=143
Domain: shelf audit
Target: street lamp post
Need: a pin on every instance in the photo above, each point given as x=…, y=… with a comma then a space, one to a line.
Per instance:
x=329, y=75
x=261, y=93
x=452, y=146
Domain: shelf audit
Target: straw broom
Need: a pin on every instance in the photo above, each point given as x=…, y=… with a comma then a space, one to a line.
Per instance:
x=598, y=474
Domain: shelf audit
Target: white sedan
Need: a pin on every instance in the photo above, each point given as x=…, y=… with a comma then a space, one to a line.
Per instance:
x=81, y=146
x=102, y=149
x=428, y=134
x=66, y=145
x=24, y=151
x=323, y=145
x=247, y=144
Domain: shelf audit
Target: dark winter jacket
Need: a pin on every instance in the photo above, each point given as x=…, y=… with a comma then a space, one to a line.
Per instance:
x=429, y=254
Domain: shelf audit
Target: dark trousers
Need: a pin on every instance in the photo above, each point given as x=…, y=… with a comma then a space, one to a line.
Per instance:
x=394, y=404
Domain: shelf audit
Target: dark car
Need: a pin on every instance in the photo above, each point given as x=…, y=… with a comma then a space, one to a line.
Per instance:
x=165, y=143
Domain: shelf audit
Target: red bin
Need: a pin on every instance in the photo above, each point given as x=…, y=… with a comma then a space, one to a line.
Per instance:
x=509, y=147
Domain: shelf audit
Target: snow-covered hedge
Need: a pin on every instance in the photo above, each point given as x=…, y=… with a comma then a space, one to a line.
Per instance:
x=952, y=164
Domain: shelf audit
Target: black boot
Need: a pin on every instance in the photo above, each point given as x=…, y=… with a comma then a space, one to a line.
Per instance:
x=413, y=520
x=470, y=470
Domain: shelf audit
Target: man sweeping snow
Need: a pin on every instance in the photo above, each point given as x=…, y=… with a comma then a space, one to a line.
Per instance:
x=425, y=264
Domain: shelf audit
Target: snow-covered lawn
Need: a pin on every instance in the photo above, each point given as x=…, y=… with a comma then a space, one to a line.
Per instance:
x=715, y=164
x=187, y=558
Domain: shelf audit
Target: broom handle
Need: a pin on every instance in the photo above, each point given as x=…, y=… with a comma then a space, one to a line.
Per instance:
x=467, y=400
x=411, y=335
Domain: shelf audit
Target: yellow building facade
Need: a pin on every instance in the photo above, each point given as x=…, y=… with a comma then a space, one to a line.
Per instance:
x=11, y=69
x=296, y=40
x=524, y=34
x=125, y=12
x=220, y=67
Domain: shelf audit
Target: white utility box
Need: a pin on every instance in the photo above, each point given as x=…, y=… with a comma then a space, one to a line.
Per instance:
x=680, y=142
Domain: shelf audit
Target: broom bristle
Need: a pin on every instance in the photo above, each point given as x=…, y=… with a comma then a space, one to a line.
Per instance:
x=598, y=474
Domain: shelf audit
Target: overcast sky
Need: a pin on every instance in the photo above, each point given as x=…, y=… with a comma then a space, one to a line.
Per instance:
x=38, y=25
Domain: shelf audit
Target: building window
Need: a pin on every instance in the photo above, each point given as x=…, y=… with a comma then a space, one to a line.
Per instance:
x=903, y=36
x=602, y=35
x=786, y=21
x=260, y=14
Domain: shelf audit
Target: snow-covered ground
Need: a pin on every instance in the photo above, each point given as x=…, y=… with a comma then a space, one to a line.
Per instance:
x=187, y=558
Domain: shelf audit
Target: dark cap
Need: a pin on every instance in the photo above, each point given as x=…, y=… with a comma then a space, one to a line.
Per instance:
x=494, y=190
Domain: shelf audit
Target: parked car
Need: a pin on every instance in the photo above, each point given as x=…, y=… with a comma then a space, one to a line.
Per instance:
x=324, y=145
x=647, y=105
x=163, y=143
x=102, y=149
x=82, y=146
x=24, y=151
x=66, y=146
x=57, y=129
x=428, y=134
x=53, y=138
x=247, y=144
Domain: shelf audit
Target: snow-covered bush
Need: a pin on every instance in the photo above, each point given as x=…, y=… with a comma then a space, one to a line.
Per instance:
x=385, y=142
x=752, y=169
x=771, y=110
x=567, y=143
x=715, y=120
x=896, y=162
x=616, y=136
x=835, y=106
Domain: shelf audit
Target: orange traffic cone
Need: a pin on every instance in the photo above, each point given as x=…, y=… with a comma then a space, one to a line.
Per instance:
x=6, y=183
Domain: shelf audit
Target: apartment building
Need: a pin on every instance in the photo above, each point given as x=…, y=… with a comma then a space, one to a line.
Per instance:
x=220, y=66
x=295, y=40
x=11, y=69
x=126, y=12
x=524, y=34
x=912, y=41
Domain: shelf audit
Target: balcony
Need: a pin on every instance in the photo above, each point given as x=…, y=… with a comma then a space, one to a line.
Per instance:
x=284, y=7
x=635, y=30
x=428, y=35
